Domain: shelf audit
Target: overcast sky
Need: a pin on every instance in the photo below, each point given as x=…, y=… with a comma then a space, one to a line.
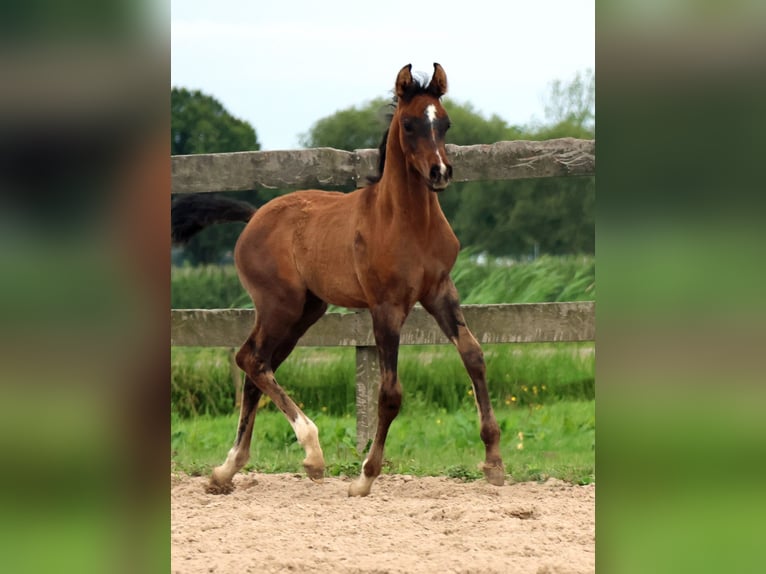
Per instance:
x=283, y=65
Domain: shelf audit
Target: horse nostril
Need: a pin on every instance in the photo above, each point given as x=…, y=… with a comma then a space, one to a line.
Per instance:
x=435, y=172
x=449, y=171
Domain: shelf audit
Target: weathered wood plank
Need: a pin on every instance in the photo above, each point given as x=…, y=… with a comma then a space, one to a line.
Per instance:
x=367, y=386
x=329, y=168
x=521, y=323
x=523, y=159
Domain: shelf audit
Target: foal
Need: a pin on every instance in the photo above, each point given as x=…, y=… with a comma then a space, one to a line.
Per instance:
x=384, y=247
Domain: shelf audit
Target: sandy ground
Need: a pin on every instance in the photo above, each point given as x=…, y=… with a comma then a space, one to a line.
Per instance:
x=286, y=523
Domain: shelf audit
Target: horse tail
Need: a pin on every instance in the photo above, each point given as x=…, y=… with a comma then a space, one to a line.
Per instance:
x=191, y=213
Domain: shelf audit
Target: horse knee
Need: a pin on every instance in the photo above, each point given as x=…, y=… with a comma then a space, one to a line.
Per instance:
x=249, y=361
x=243, y=356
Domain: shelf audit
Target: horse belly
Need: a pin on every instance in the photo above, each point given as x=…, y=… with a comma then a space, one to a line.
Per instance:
x=334, y=282
x=324, y=258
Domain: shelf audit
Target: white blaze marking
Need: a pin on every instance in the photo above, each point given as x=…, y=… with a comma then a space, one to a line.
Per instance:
x=431, y=115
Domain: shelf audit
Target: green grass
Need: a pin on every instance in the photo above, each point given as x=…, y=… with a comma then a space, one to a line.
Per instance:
x=546, y=279
x=557, y=441
x=206, y=287
x=323, y=378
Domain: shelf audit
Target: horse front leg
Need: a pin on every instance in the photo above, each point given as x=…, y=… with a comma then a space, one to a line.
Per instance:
x=387, y=323
x=444, y=305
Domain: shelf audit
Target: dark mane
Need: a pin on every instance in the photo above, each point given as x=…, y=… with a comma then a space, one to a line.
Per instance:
x=381, y=158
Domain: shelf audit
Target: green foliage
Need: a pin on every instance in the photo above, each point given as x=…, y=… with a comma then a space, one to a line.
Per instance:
x=469, y=127
x=527, y=217
x=464, y=473
x=543, y=280
x=555, y=440
x=573, y=103
x=200, y=382
x=322, y=381
x=353, y=128
x=518, y=375
x=200, y=124
x=524, y=218
x=206, y=287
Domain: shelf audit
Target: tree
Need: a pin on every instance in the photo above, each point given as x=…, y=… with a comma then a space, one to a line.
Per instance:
x=570, y=108
x=200, y=124
x=352, y=128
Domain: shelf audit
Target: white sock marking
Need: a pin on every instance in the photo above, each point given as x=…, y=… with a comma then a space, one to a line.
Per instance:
x=305, y=430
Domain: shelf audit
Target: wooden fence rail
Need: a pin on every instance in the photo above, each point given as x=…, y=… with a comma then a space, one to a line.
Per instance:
x=330, y=168
x=518, y=323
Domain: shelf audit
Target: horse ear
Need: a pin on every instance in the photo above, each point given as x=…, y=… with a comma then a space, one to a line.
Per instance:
x=403, y=81
x=438, y=85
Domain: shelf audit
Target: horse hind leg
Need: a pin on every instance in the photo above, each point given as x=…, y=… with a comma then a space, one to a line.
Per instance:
x=220, y=480
x=305, y=430
x=259, y=357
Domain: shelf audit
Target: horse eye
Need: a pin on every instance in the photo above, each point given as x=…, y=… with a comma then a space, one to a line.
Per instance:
x=407, y=127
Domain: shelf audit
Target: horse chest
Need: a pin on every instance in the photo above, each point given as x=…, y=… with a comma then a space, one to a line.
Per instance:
x=402, y=266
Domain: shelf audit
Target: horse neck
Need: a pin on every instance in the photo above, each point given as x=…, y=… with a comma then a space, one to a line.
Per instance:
x=404, y=192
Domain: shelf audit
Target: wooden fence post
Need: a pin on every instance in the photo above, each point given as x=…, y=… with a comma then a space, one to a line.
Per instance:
x=236, y=377
x=367, y=384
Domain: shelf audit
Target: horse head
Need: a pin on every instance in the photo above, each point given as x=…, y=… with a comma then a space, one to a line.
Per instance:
x=422, y=122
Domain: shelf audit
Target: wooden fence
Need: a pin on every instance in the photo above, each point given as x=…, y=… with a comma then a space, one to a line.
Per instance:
x=325, y=167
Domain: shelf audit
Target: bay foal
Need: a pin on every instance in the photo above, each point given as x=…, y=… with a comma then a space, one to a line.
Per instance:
x=383, y=247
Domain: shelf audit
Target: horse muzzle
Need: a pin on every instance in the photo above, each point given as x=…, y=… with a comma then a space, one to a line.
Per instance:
x=439, y=177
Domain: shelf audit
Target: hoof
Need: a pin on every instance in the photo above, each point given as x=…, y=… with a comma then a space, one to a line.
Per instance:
x=315, y=473
x=214, y=487
x=360, y=487
x=495, y=474
x=354, y=490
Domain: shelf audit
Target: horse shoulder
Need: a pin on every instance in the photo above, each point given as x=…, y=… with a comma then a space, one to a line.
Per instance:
x=444, y=243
